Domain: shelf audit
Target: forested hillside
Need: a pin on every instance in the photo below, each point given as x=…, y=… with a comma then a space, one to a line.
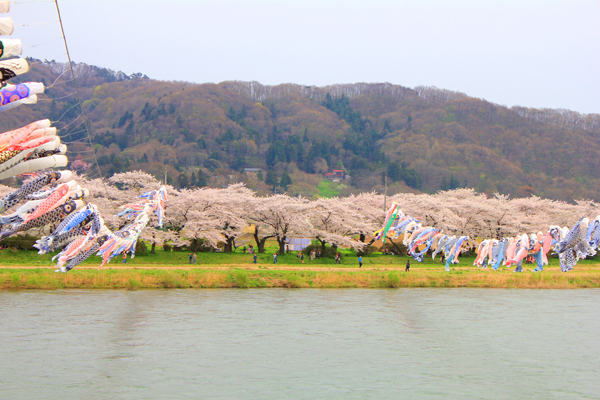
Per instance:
x=424, y=139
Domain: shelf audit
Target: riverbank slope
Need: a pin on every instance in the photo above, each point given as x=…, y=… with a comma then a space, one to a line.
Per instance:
x=250, y=276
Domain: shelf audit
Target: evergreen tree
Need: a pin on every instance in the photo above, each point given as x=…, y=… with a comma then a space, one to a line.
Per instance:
x=271, y=178
x=411, y=177
x=260, y=176
x=444, y=185
x=183, y=180
x=394, y=171
x=271, y=156
x=200, y=179
x=454, y=183
x=387, y=128
x=146, y=110
x=399, y=172
x=129, y=129
x=285, y=181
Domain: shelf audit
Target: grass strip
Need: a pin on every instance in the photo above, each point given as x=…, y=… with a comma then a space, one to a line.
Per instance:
x=47, y=279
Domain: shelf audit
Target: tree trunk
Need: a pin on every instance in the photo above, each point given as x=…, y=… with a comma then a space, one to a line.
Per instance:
x=281, y=245
x=261, y=245
x=153, y=250
x=229, y=244
x=322, y=245
x=194, y=245
x=362, y=237
x=260, y=242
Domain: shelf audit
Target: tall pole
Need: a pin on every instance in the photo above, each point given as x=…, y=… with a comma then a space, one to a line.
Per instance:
x=385, y=194
x=385, y=204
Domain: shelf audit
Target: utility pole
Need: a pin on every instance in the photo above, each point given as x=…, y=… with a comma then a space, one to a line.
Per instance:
x=385, y=193
x=385, y=203
x=165, y=174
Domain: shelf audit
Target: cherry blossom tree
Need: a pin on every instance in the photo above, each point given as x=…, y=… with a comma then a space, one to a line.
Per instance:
x=215, y=215
x=137, y=181
x=280, y=216
x=371, y=207
x=337, y=222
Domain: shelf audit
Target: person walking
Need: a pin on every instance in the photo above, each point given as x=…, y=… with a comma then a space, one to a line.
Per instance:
x=194, y=258
x=359, y=261
x=254, y=258
x=407, y=266
x=274, y=258
x=190, y=257
x=124, y=258
x=302, y=258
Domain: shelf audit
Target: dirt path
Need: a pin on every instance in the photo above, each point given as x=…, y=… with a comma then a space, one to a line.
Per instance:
x=290, y=268
x=215, y=267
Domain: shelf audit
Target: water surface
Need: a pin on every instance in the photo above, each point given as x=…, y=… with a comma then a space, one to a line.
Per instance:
x=300, y=344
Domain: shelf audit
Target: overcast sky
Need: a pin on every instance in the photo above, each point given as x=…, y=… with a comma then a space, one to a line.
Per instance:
x=529, y=53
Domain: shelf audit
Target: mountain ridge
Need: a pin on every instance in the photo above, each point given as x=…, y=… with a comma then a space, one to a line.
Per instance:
x=422, y=137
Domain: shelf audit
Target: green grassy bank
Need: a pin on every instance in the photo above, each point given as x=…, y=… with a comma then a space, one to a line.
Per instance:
x=24, y=269
x=44, y=278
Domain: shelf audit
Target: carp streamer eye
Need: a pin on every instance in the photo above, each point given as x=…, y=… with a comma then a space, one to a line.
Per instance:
x=69, y=207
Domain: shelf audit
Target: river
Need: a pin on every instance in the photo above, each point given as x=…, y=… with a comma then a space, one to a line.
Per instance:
x=300, y=344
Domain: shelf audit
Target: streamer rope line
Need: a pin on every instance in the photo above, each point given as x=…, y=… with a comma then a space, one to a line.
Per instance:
x=39, y=23
x=85, y=120
x=40, y=44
